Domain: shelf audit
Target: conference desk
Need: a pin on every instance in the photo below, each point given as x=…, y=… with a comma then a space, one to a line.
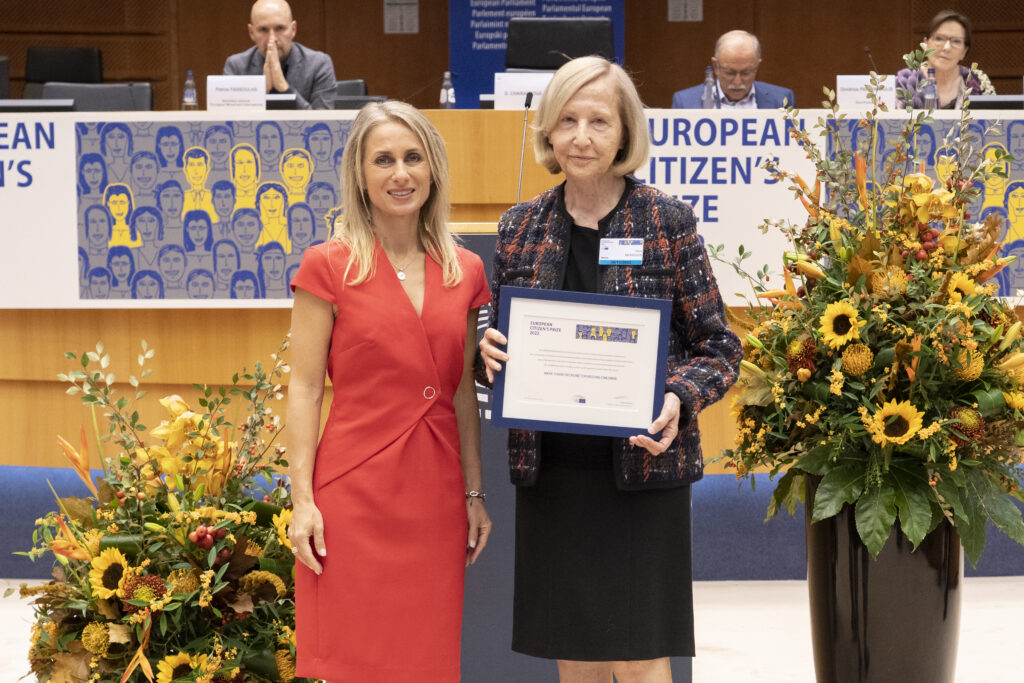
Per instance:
x=709, y=158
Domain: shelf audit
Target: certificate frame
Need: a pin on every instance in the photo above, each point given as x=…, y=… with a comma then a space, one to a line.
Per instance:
x=636, y=366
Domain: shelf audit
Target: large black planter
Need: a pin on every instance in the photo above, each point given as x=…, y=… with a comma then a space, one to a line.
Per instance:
x=894, y=619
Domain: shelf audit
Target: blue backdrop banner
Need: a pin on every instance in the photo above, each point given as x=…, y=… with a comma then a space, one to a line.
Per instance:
x=477, y=30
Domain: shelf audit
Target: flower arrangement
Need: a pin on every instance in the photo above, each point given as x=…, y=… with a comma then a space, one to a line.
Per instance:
x=886, y=365
x=178, y=567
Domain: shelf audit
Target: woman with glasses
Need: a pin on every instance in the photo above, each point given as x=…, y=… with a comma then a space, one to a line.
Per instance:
x=950, y=38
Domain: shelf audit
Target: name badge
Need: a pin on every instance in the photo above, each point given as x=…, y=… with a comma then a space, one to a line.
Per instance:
x=621, y=252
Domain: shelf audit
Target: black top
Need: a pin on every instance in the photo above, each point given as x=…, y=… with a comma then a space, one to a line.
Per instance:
x=581, y=275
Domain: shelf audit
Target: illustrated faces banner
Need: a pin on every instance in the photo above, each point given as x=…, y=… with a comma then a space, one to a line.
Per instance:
x=202, y=210
x=478, y=29
x=712, y=161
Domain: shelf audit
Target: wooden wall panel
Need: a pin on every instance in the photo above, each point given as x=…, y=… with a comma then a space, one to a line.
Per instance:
x=805, y=43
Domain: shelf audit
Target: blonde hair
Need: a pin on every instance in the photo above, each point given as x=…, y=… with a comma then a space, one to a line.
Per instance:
x=354, y=227
x=567, y=81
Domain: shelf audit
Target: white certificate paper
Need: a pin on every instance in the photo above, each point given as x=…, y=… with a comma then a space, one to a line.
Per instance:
x=581, y=363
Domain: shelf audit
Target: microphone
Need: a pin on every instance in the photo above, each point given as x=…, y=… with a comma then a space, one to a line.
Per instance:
x=867, y=51
x=522, y=149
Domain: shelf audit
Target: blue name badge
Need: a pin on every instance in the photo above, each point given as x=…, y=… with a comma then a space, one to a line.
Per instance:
x=621, y=252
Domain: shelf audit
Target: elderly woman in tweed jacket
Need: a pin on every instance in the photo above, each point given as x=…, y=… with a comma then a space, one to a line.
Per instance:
x=602, y=524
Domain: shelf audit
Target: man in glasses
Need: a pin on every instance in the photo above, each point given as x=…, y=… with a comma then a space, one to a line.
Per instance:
x=737, y=56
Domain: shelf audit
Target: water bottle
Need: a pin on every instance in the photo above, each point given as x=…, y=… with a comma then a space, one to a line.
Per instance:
x=709, y=96
x=928, y=94
x=189, y=101
x=447, y=92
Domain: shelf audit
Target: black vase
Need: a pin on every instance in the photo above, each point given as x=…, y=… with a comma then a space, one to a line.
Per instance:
x=896, y=618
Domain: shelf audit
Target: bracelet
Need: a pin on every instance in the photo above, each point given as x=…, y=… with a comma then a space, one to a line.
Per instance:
x=476, y=494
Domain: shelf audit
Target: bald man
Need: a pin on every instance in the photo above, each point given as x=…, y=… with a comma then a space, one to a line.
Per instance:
x=737, y=56
x=289, y=67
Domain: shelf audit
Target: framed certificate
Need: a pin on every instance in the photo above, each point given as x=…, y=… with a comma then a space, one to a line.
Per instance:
x=581, y=363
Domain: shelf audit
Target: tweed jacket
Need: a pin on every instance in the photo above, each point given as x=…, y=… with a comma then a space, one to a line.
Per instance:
x=310, y=74
x=703, y=353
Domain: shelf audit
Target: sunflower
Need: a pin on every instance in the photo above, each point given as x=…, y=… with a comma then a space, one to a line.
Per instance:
x=895, y=423
x=281, y=522
x=173, y=667
x=107, y=572
x=840, y=324
x=960, y=287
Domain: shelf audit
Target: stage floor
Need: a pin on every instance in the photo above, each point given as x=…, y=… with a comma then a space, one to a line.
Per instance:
x=746, y=631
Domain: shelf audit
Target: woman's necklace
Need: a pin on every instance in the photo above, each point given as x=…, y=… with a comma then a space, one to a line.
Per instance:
x=400, y=270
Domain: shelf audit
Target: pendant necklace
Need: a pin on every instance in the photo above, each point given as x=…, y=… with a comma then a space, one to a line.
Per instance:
x=400, y=270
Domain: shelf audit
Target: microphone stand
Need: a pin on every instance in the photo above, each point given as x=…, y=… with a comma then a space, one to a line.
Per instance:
x=522, y=149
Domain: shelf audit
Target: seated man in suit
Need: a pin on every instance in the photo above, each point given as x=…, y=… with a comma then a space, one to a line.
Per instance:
x=737, y=56
x=289, y=67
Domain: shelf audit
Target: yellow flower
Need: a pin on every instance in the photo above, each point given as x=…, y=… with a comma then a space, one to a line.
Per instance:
x=857, y=359
x=281, y=522
x=840, y=324
x=971, y=364
x=107, y=573
x=253, y=580
x=895, y=423
x=96, y=638
x=173, y=667
x=175, y=404
x=836, y=382
x=1014, y=399
x=934, y=205
x=183, y=580
x=285, y=665
x=960, y=287
x=917, y=183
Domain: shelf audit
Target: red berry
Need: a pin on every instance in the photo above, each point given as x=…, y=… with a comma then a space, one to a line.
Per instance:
x=929, y=246
x=266, y=499
x=206, y=542
x=220, y=533
x=921, y=255
x=904, y=253
x=800, y=291
x=120, y=494
x=194, y=537
x=201, y=531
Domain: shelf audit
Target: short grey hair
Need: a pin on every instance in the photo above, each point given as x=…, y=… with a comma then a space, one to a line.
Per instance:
x=737, y=34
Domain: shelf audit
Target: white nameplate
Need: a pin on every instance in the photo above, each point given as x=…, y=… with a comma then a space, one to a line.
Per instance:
x=851, y=92
x=510, y=88
x=231, y=93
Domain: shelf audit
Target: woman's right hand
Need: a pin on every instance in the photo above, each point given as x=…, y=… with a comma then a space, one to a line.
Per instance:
x=492, y=355
x=307, y=523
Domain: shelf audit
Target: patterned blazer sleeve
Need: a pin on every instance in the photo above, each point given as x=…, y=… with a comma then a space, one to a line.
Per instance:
x=707, y=361
x=500, y=267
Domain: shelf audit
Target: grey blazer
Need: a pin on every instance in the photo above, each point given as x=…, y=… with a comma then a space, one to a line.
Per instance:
x=310, y=74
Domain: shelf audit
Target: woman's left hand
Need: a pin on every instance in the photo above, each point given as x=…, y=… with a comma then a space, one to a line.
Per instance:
x=479, y=529
x=667, y=423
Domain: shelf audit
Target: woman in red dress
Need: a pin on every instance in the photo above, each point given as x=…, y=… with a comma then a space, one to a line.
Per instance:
x=388, y=310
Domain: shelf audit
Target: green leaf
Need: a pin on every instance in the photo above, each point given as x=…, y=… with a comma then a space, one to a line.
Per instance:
x=788, y=493
x=989, y=402
x=914, y=502
x=816, y=461
x=841, y=485
x=875, y=513
x=970, y=523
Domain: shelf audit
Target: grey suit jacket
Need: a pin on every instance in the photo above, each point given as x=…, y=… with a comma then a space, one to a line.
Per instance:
x=310, y=74
x=768, y=96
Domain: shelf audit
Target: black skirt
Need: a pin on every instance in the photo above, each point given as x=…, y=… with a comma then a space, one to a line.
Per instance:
x=601, y=574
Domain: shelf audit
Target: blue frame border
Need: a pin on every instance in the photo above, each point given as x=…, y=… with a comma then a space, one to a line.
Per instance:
x=663, y=306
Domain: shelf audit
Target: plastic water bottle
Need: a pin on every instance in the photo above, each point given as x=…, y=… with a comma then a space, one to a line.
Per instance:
x=928, y=94
x=709, y=96
x=447, y=92
x=189, y=101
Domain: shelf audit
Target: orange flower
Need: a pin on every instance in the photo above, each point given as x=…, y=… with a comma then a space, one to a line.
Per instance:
x=79, y=460
x=65, y=544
